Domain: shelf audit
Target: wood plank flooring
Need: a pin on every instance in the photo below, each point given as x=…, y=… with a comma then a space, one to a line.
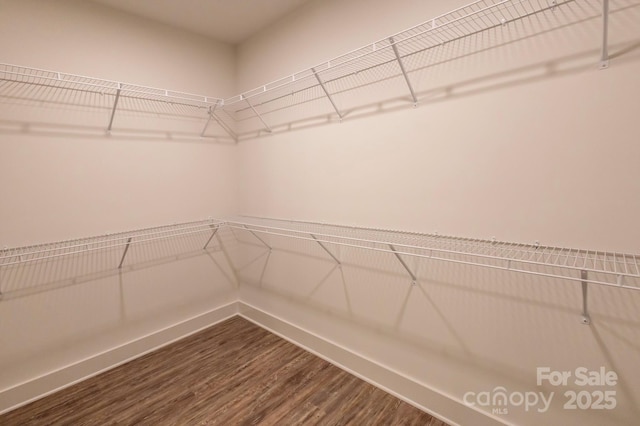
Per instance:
x=234, y=373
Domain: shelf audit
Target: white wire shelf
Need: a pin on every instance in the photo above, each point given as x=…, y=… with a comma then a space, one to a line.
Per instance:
x=611, y=269
x=605, y=268
x=122, y=240
x=399, y=56
x=15, y=74
x=608, y=268
x=22, y=85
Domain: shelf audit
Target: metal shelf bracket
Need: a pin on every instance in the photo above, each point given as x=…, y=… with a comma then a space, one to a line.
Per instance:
x=326, y=249
x=115, y=106
x=224, y=126
x=326, y=92
x=404, y=72
x=414, y=279
x=604, y=57
x=210, y=113
x=586, y=319
x=126, y=249
x=215, y=230
x=258, y=238
x=264, y=123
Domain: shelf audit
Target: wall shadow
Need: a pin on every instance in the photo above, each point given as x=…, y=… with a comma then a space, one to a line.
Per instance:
x=558, y=68
x=53, y=294
x=536, y=303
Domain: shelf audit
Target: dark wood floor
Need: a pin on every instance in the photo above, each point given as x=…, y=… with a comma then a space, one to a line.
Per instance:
x=232, y=373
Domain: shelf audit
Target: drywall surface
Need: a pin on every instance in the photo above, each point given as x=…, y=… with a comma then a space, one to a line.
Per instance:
x=524, y=141
x=69, y=179
x=529, y=136
x=64, y=178
x=86, y=38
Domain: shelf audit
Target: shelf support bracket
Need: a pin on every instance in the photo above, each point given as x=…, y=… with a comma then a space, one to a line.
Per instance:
x=586, y=319
x=404, y=71
x=224, y=126
x=258, y=238
x=215, y=230
x=404, y=265
x=264, y=123
x=325, y=249
x=210, y=112
x=604, y=57
x=115, y=106
x=126, y=249
x=326, y=92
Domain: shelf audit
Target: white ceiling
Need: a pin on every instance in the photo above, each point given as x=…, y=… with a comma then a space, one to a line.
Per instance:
x=230, y=21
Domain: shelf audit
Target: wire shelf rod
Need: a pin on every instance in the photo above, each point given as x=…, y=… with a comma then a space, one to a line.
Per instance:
x=100, y=239
x=170, y=101
x=371, y=46
x=17, y=83
x=113, y=234
x=445, y=259
x=119, y=236
x=400, y=37
x=518, y=249
x=358, y=68
x=433, y=236
x=268, y=230
x=113, y=85
x=103, y=248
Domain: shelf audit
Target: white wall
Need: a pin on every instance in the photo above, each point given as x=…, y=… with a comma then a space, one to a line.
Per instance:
x=88, y=186
x=544, y=151
x=524, y=142
x=64, y=178
x=523, y=149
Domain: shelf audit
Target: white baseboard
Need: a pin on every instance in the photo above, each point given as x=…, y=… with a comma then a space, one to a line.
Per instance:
x=439, y=405
x=429, y=400
x=39, y=387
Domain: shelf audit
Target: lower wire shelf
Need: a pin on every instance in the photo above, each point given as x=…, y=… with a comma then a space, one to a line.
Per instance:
x=604, y=268
x=611, y=269
x=40, y=252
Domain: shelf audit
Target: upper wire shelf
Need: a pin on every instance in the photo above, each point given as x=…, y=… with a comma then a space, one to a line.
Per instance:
x=399, y=57
x=23, y=75
x=31, y=86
